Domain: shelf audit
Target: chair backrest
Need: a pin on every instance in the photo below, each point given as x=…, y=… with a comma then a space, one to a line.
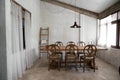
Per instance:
x=70, y=42
x=90, y=51
x=53, y=49
x=59, y=43
x=81, y=43
x=71, y=48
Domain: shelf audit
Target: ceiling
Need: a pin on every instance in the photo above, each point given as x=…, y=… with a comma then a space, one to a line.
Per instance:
x=94, y=8
x=91, y=5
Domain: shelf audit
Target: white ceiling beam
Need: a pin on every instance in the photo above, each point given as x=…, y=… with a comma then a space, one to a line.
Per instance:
x=73, y=8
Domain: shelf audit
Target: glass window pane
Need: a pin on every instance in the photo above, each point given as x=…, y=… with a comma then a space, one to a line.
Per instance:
x=103, y=21
x=102, y=39
x=114, y=16
x=111, y=34
x=109, y=19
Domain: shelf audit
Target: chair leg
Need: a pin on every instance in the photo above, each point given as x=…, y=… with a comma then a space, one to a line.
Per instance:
x=94, y=65
x=49, y=66
x=47, y=55
x=83, y=66
x=66, y=65
x=76, y=65
x=80, y=62
x=61, y=57
x=39, y=55
x=59, y=65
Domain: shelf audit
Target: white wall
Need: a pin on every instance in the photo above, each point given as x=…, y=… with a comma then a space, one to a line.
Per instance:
x=60, y=19
x=89, y=29
x=8, y=39
x=111, y=56
x=3, y=58
x=32, y=6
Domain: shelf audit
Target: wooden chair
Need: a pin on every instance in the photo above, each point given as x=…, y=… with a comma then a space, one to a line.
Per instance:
x=59, y=43
x=54, y=58
x=71, y=55
x=89, y=56
x=70, y=42
x=81, y=43
x=80, y=52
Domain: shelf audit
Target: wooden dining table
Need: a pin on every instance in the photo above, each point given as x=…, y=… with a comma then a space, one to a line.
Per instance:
x=62, y=48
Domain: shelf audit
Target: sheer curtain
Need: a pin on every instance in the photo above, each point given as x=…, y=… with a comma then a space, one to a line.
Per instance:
x=107, y=35
x=16, y=24
x=29, y=60
x=21, y=59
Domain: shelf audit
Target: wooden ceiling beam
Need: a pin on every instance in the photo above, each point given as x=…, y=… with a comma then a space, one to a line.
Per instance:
x=73, y=8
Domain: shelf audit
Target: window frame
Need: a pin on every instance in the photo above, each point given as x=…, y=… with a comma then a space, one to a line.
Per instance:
x=117, y=22
x=117, y=32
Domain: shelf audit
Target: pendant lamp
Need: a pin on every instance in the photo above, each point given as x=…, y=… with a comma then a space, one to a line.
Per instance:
x=75, y=25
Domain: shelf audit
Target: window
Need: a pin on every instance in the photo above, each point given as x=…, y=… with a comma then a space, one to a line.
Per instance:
x=110, y=31
x=21, y=28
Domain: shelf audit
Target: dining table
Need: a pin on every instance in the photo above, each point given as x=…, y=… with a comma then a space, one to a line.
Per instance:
x=62, y=48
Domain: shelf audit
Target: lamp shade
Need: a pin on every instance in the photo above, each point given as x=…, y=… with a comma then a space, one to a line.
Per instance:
x=75, y=25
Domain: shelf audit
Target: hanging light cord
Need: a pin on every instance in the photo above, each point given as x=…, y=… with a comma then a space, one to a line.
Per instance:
x=75, y=11
x=75, y=23
x=79, y=19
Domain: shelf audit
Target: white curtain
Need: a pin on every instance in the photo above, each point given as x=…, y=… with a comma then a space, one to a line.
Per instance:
x=107, y=33
x=29, y=60
x=16, y=24
x=20, y=59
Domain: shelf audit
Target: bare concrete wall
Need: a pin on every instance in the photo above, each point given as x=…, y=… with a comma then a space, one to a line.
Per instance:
x=3, y=59
x=111, y=56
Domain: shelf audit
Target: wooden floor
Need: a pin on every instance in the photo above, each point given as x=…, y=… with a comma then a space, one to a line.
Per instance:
x=40, y=72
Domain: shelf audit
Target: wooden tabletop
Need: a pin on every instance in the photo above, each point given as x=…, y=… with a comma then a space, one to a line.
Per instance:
x=62, y=48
